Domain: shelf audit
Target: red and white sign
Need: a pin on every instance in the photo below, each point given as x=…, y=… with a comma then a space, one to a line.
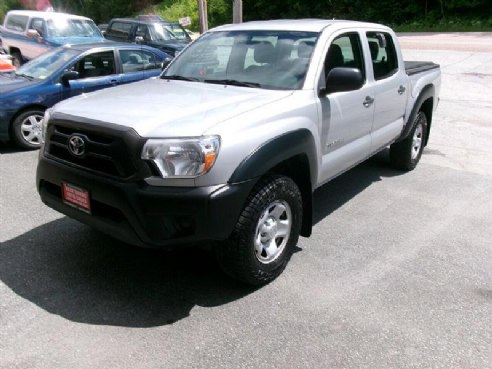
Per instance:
x=76, y=197
x=186, y=21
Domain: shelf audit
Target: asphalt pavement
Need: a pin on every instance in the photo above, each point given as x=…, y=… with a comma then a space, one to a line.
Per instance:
x=397, y=273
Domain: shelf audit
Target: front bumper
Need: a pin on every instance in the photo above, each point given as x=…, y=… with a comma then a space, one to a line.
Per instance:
x=145, y=215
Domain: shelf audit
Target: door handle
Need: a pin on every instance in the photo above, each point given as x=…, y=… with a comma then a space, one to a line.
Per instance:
x=368, y=101
x=113, y=82
x=401, y=90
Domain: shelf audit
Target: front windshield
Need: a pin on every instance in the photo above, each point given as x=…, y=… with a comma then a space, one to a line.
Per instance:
x=264, y=59
x=63, y=27
x=45, y=65
x=162, y=33
x=178, y=31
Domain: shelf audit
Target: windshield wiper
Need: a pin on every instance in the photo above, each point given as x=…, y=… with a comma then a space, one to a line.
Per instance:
x=30, y=78
x=181, y=78
x=232, y=82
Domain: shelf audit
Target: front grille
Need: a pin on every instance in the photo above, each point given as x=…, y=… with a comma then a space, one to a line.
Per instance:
x=110, y=152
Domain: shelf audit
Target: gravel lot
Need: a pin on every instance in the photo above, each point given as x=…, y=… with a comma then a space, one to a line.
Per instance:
x=397, y=274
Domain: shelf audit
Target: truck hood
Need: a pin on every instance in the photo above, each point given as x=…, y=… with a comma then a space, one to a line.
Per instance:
x=163, y=108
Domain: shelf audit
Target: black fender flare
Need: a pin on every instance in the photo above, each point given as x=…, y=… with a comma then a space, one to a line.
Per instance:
x=427, y=92
x=274, y=152
x=294, y=144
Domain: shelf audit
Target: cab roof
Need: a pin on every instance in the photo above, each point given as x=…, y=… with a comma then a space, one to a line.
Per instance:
x=45, y=15
x=306, y=25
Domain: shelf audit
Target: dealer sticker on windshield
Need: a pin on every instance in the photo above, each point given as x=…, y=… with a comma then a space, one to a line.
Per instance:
x=76, y=197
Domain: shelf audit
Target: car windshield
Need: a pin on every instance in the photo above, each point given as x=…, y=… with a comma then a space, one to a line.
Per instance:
x=162, y=33
x=62, y=27
x=44, y=66
x=262, y=59
x=178, y=31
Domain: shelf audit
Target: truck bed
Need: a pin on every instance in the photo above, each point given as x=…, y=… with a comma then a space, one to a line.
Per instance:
x=414, y=67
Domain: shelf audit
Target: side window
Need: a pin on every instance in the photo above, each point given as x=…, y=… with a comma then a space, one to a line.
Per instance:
x=138, y=60
x=143, y=31
x=17, y=22
x=95, y=65
x=345, y=51
x=383, y=54
x=120, y=30
x=38, y=25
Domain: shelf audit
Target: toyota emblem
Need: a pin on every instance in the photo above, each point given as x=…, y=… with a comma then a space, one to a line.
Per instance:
x=76, y=145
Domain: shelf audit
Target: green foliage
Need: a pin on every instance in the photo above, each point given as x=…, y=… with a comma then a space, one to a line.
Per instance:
x=419, y=15
x=447, y=25
x=219, y=11
x=6, y=5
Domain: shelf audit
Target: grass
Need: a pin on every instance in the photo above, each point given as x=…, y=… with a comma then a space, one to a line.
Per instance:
x=446, y=25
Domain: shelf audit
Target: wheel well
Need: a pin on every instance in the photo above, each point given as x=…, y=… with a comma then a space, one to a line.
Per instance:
x=13, y=50
x=427, y=107
x=297, y=168
x=23, y=110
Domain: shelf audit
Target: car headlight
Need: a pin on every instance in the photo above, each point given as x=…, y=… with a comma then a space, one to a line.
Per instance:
x=183, y=157
x=44, y=124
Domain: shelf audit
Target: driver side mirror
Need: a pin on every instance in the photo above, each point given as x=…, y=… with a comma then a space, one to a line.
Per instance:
x=343, y=79
x=69, y=75
x=139, y=39
x=32, y=33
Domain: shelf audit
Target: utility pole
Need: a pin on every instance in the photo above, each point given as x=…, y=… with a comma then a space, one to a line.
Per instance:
x=202, y=15
x=237, y=11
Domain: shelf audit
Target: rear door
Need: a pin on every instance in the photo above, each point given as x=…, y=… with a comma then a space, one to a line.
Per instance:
x=389, y=80
x=137, y=64
x=346, y=117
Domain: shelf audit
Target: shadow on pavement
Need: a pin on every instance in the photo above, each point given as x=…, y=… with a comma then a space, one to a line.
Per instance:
x=70, y=270
x=340, y=190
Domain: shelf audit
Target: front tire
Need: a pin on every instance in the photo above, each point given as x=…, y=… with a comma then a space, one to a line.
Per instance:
x=406, y=154
x=266, y=233
x=27, y=129
x=17, y=60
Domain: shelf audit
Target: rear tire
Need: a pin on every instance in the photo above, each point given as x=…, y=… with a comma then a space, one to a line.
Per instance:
x=406, y=154
x=266, y=232
x=27, y=129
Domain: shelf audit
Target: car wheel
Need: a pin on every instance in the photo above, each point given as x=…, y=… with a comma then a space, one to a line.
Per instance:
x=405, y=155
x=266, y=232
x=16, y=59
x=27, y=129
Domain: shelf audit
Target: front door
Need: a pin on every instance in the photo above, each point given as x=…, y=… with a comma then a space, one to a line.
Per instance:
x=96, y=71
x=346, y=116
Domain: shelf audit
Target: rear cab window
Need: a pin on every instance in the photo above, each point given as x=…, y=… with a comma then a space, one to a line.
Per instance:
x=16, y=22
x=120, y=30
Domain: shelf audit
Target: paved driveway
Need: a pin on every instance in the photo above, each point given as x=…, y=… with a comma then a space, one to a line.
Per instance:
x=397, y=274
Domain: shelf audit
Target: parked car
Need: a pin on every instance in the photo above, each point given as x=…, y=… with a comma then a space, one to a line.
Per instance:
x=6, y=64
x=231, y=141
x=66, y=72
x=27, y=34
x=147, y=31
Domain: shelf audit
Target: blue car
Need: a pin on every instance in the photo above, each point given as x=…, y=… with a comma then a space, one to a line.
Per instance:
x=63, y=73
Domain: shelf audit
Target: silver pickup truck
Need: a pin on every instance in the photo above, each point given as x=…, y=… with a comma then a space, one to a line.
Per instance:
x=231, y=141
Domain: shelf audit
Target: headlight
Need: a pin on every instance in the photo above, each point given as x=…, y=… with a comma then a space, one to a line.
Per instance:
x=44, y=124
x=183, y=157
